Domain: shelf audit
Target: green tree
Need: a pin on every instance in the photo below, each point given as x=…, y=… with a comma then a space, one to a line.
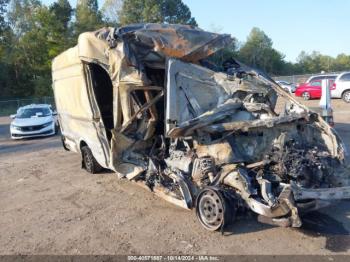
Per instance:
x=139, y=11
x=50, y=37
x=87, y=17
x=155, y=11
x=60, y=34
x=342, y=62
x=3, y=26
x=258, y=52
x=17, y=79
x=20, y=15
x=224, y=54
x=315, y=62
x=176, y=12
x=63, y=12
x=111, y=9
x=38, y=33
x=3, y=7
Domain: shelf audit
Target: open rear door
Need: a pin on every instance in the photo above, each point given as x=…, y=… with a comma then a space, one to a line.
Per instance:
x=99, y=85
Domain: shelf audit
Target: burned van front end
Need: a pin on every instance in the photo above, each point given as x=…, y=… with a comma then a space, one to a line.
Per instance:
x=217, y=141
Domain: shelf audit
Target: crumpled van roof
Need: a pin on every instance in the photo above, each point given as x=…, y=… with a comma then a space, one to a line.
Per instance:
x=145, y=43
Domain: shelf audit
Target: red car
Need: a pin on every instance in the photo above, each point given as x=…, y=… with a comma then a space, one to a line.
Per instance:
x=312, y=90
x=309, y=90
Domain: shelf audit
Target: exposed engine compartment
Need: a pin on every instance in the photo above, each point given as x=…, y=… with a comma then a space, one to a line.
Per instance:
x=214, y=140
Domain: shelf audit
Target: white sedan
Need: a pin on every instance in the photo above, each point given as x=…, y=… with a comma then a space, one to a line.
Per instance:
x=289, y=87
x=33, y=121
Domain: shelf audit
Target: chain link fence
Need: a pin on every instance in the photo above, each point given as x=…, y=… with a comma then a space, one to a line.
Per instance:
x=8, y=107
x=298, y=79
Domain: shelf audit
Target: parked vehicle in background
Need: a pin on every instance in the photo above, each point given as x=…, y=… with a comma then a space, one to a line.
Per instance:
x=33, y=121
x=290, y=87
x=321, y=77
x=309, y=90
x=341, y=87
x=312, y=88
x=317, y=78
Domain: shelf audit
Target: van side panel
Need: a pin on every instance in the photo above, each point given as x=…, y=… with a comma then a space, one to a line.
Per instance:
x=74, y=110
x=70, y=92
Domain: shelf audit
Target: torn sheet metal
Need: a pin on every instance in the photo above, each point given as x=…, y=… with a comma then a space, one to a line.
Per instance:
x=227, y=141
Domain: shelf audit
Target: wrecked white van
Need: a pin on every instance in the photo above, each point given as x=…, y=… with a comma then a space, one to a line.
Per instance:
x=142, y=101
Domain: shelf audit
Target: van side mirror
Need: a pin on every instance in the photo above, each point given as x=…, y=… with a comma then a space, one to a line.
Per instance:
x=54, y=113
x=13, y=116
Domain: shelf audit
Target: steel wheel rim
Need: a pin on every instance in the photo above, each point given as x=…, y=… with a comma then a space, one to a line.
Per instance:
x=211, y=210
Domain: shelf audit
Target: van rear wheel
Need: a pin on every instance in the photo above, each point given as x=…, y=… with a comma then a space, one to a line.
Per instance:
x=89, y=162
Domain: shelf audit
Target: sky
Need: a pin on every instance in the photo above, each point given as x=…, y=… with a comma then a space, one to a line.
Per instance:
x=293, y=25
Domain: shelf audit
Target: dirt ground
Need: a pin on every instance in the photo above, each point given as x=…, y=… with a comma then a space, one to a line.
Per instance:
x=49, y=205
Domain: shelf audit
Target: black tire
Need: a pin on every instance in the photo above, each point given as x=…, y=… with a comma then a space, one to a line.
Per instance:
x=306, y=95
x=213, y=209
x=346, y=96
x=57, y=128
x=63, y=139
x=89, y=162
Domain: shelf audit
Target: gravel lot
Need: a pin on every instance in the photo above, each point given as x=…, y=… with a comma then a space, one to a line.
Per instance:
x=49, y=205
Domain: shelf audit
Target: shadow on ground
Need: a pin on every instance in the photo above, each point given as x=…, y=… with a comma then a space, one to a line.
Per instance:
x=332, y=224
x=317, y=224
